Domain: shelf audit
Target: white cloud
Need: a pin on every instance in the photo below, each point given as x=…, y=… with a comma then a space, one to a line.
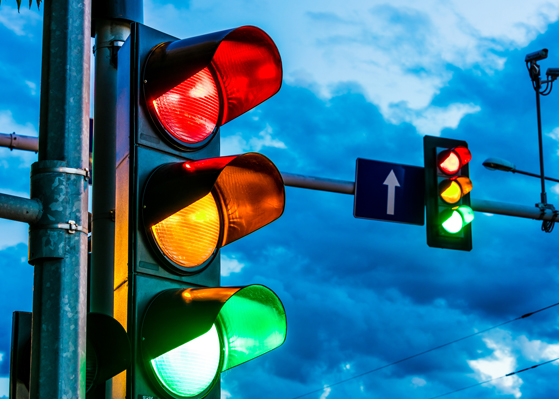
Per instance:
x=229, y=264
x=236, y=144
x=538, y=351
x=265, y=140
x=225, y=394
x=555, y=189
x=4, y=386
x=232, y=145
x=399, y=51
x=433, y=120
x=498, y=364
x=19, y=22
x=418, y=382
x=32, y=86
x=325, y=393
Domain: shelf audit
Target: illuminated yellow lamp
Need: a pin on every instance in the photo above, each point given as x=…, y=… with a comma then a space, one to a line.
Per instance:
x=452, y=190
x=190, y=236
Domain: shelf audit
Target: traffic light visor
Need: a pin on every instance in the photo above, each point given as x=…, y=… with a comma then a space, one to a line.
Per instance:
x=193, y=208
x=452, y=190
x=195, y=85
x=450, y=161
x=453, y=220
x=212, y=330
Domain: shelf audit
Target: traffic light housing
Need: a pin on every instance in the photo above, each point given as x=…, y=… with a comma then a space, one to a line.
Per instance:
x=447, y=188
x=107, y=353
x=178, y=202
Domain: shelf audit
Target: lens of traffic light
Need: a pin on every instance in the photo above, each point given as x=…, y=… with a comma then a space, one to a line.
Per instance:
x=238, y=325
x=190, y=111
x=453, y=220
x=190, y=369
x=452, y=190
x=450, y=161
x=190, y=236
x=194, y=86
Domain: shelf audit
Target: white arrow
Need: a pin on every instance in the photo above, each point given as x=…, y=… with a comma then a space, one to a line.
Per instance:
x=392, y=183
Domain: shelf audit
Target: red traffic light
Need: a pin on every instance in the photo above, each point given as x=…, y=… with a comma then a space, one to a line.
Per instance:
x=452, y=160
x=195, y=85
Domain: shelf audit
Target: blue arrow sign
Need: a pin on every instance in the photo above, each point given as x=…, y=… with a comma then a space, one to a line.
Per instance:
x=388, y=191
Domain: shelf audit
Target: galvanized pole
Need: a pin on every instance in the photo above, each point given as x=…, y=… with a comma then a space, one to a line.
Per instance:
x=58, y=241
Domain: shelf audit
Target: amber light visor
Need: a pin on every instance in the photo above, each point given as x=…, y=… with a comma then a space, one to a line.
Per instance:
x=195, y=85
x=193, y=208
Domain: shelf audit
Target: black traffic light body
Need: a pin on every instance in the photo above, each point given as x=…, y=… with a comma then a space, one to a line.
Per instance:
x=436, y=207
x=139, y=275
x=161, y=299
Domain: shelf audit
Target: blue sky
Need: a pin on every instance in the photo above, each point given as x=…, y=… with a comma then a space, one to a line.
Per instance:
x=368, y=80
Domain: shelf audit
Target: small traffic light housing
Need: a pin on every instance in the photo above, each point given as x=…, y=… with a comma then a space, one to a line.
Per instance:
x=107, y=353
x=107, y=350
x=447, y=188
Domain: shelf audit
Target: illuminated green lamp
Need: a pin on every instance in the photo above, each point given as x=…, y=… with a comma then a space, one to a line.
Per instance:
x=190, y=336
x=453, y=220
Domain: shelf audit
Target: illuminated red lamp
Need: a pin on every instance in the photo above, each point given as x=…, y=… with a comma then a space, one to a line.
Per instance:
x=452, y=160
x=195, y=85
x=191, y=209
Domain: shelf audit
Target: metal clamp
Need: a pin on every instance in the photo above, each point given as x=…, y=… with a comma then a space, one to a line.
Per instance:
x=71, y=226
x=545, y=207
x=62, y=169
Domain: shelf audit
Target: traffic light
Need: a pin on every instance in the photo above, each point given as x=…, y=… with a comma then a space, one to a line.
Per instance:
x=447, y=188
x=178, y=202
x=107, y=353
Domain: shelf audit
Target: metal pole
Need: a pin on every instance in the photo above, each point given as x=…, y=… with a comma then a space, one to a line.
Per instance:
x=540, y=142
x=318, y=183
x=15, y=142
x=503, y=208
x=348, y=187
x=20, y=209
x=109, y=37
x=58, y=241
x=534, y=175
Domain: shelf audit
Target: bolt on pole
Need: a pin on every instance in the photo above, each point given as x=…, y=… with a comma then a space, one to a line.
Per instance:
x=58, y=241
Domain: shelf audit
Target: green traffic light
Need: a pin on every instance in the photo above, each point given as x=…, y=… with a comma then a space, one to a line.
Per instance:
x=453, y=220
x=188, y=370
x=248, y=322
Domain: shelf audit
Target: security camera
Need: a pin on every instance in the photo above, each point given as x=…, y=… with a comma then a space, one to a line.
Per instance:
x=553, y=73
x=536, y=56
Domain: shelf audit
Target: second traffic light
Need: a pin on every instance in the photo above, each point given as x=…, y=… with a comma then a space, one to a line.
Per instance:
x=447, y=188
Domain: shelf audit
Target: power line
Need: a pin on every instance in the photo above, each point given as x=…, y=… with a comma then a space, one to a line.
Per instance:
x=493, y=379
x=427, y=351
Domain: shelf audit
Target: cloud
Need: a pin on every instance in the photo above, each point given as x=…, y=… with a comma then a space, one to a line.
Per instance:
x=229, y=265
x=4, y=386
x=433, y=120
x=418, y=382
x=499, y=363
x=326, y=393
x=237, y=144
x=19, y=23
x=398, y=52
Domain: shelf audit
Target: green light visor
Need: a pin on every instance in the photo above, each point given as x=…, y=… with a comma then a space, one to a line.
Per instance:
x=212, y=330
x=453, y=220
